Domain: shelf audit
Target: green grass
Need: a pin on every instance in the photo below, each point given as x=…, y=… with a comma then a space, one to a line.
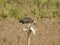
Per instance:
x=40, y=8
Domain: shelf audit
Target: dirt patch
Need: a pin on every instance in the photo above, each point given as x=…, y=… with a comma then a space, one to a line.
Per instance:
x=47, y=33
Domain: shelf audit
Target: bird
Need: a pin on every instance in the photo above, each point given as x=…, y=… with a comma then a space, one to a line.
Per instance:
x=29, y=28
x=27, y=20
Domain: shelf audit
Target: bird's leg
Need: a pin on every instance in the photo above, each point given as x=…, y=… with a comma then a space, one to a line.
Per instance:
x=28, y=37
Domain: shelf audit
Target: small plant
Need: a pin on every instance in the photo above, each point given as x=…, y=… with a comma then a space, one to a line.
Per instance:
x=3, y=3
x=19, y=1
x=33, y=12
x=18, y=38
x=14, y=12
x=4, y=40
x=58, y=21
x=3, y=15
x=38, y=3
x=54, y=13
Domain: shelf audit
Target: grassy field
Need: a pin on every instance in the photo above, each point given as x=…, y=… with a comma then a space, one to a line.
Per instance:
x=47, y=13
x=20, y=8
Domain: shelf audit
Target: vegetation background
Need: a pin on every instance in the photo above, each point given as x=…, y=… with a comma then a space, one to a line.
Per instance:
x=47, y=13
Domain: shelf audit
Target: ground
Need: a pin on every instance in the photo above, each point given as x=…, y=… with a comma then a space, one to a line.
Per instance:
x=47, y=33
x=45, y=12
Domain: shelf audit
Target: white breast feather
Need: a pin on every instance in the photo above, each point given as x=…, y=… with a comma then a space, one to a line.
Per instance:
x=33, y=30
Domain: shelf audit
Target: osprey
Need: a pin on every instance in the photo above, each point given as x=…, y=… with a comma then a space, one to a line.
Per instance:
x=29, y=28
x=27, y=20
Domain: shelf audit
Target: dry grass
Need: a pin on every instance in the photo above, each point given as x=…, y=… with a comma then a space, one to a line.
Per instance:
x=47, y=33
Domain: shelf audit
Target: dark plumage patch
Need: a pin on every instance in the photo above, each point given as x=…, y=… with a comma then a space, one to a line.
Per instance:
x=26, y=20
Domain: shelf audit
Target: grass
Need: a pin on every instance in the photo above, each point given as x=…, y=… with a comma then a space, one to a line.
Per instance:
x=40, y=9
x=3, y=14
x=15, y=8
x=19, y=9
